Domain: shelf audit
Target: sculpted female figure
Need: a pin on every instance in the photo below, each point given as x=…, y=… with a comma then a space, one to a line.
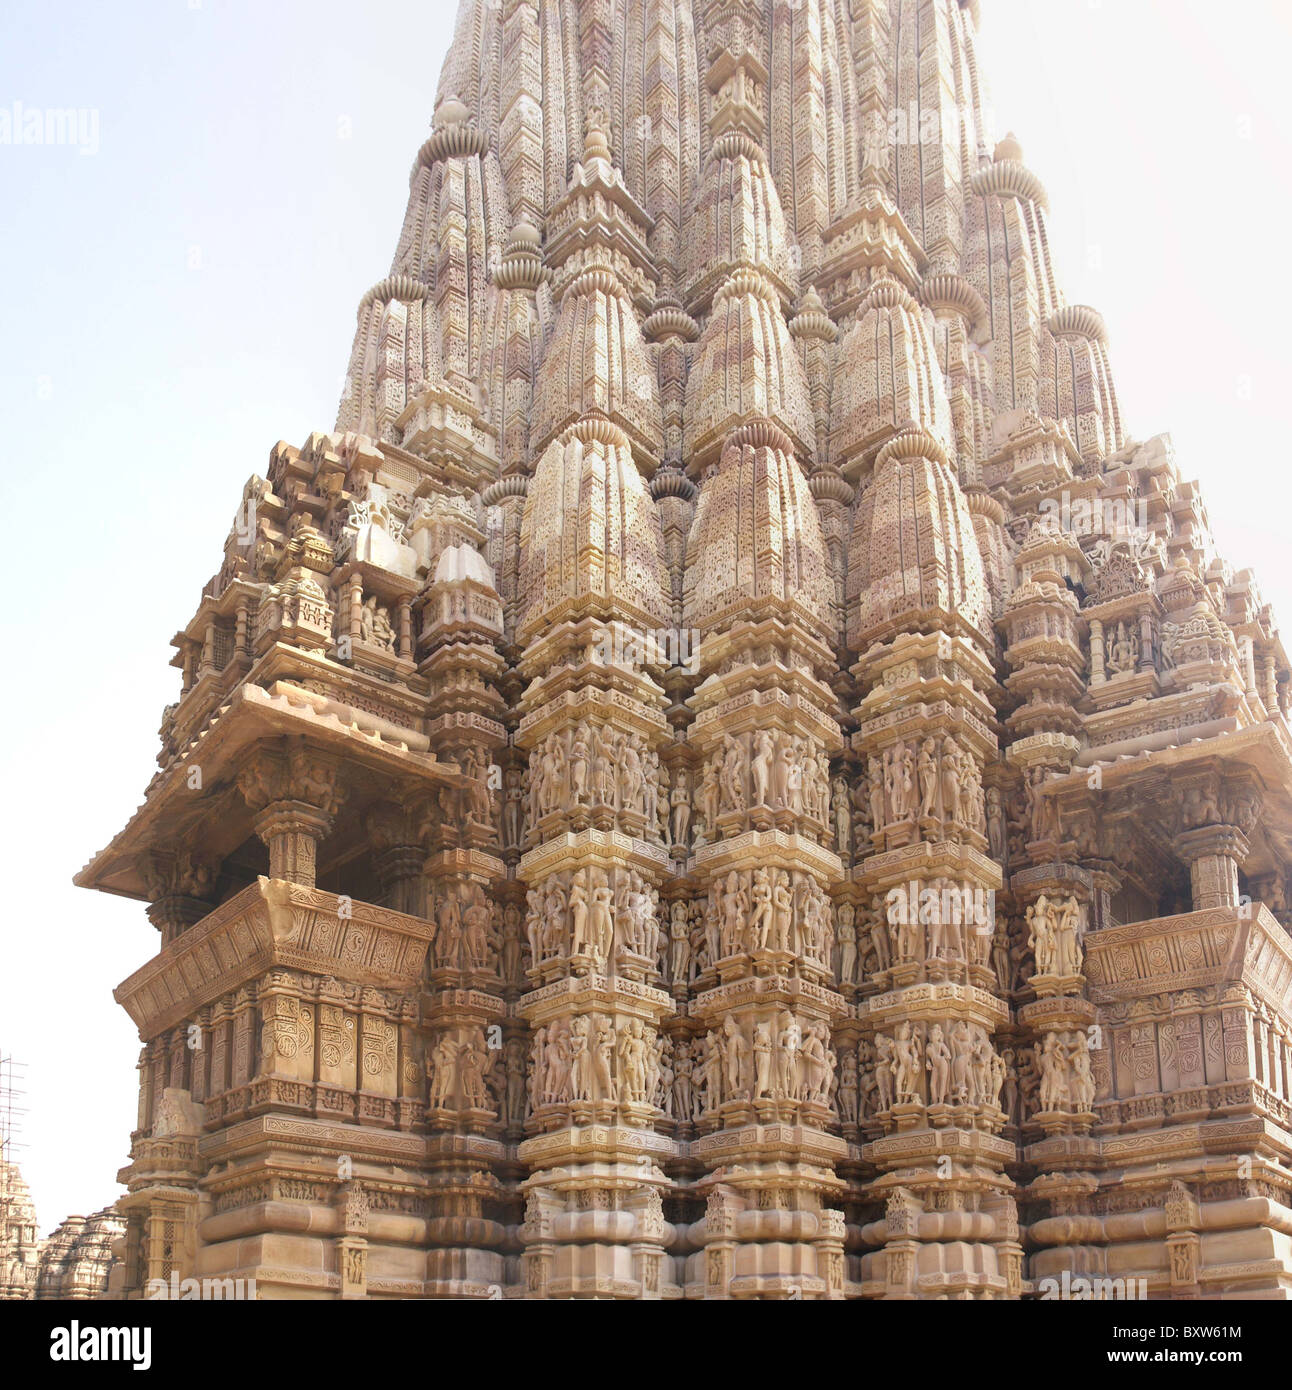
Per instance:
x=906, y=1070
x=603, y=1059
x=732, y=776
x=580, y=1060
x=762, y=1061
x=884, y=1071
x=579, y=756
x=760, y=917
x=847, y=945
x=579, y=914
x=1040, y=938
x=735, y=903
x=680, y=964
x=938, y=1061
x=877, y=776
x=927, y=766
x=783, y=912
x=760, y=767
x=680, y=800
x=781, y=772
x=737, y=1056
x=950, y=777
x=601, y=928
x=1067, y=930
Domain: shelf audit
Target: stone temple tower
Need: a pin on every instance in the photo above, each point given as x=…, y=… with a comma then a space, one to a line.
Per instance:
x=728, y=773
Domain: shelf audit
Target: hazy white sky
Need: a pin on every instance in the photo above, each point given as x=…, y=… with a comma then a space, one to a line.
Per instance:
x=179, y=293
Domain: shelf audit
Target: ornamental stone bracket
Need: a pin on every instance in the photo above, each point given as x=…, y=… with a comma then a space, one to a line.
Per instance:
x=296, y=796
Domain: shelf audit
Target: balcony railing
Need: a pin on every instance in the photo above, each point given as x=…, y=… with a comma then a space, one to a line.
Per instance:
x=272, y=924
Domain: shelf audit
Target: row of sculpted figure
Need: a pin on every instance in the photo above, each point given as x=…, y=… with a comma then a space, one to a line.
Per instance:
x=596, y=769
x=768, y=910
x=942, y=918
x=855, y=942
x=869, y=942
x=595, y=766
x=594, y=914
x=935, y=1064
x=1054, y=935
x=469, y=931
x=482, y=1077
x=934, y=781
x=868, y=1079
x=768, y=769
x=776, y=1059
x=595, y=1058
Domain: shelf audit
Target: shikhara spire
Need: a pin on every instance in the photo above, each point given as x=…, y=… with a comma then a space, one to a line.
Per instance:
x=729, y=773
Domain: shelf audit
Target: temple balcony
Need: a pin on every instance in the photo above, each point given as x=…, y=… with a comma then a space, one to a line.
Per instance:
x=1195, y=1012
x=268, y=925
x=283, y=999
x=284, y=782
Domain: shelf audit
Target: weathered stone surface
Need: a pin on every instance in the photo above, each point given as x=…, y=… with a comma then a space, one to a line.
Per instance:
x=728, y=755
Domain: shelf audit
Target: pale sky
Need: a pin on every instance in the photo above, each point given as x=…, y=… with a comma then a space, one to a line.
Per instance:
x=179, y=293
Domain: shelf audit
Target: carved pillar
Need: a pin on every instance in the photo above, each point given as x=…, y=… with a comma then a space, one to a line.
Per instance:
x=1239, y=1044
x=405, y=627
x=1213, y=853
x=541, y=1211
x=901, y=1245
x=294, y=793
x=1147, y=656
x=1097, y=676
x=1183, y=1244
x=398, y=858
x=935, y=1069
x=218, y=1074
x=292, y=831
x=352, y=1242
x=464, y=882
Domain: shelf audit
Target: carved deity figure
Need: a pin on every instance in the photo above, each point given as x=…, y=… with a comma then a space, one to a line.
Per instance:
x=938, y=1061
x=906, y=1065
x=1121, y=649
x=1067, y=931
x=680, y=803
x=847, y=945
x=760, y=767
x=884, y=1058
x=877, y=774
x=1041, y=935
x=927, y=768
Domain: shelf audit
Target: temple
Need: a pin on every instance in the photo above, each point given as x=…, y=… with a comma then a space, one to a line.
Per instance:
x=729, y=773
x=75, y=1262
